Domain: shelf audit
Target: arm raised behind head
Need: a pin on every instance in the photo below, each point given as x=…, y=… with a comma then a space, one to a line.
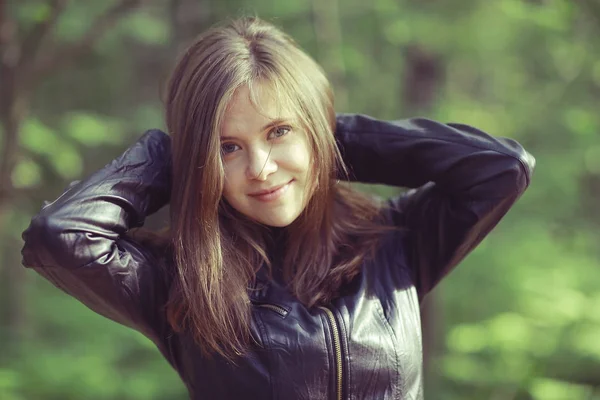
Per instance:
x=78, y=241
x=462, y=181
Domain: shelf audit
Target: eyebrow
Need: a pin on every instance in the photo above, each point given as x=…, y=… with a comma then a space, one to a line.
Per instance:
x=270, y=125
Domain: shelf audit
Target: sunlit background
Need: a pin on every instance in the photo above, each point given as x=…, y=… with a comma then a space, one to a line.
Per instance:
x=519, y=319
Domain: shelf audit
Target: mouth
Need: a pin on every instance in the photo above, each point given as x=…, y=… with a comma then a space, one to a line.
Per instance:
x=272, y=193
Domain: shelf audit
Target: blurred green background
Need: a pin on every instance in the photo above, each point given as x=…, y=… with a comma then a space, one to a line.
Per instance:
x=519, y=319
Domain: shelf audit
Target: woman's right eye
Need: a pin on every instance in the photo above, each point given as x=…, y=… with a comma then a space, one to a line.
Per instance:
x=228, y=148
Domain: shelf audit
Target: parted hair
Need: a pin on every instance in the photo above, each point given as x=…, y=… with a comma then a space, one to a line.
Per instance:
x=216, y=250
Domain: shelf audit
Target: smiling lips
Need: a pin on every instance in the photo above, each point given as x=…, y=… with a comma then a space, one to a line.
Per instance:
x=271, y=194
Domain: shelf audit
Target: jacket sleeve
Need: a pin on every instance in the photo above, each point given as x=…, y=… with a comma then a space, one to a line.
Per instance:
x=77, y=242
x=462, y=182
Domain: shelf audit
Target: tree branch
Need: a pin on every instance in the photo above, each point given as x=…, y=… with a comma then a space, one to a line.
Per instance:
x=593, y=10
x=69, y=53
x=328, y=32
x=10, y=106
x=32, y=43
x=9, y=49
x=4, y=20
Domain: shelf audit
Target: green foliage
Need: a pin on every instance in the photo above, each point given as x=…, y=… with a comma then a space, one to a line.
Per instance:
x=42, y=140
x=552, y=389
x=26, y=174
x=518, y=320
x=31, y=12
x=146, y=28
x=93, y=130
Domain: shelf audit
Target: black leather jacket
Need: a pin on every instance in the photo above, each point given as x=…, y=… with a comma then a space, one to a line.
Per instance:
x=366, y=344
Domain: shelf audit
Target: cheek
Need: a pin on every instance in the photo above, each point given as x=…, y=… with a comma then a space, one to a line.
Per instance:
x=227, y=191
x=299, y=156
x=232, y=185
x=302, y=161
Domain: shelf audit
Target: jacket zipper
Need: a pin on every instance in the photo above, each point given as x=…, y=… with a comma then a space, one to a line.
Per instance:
x=337, y=346
x=278, y=309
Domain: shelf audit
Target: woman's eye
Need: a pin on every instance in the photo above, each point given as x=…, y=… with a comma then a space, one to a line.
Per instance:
x=279, y=132
x=227, y=148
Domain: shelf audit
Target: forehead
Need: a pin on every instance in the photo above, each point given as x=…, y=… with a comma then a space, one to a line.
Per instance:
x=249, y=110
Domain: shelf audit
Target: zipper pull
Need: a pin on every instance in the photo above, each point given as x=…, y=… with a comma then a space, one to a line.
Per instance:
x=282, y=311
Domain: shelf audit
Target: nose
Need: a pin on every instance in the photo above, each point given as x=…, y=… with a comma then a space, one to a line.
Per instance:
x=261, y=164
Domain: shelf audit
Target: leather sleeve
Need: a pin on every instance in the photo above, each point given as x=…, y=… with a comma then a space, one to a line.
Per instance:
x=77, y=241
x=462, y=180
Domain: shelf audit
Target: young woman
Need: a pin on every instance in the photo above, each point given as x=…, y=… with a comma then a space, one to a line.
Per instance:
x=275, y=280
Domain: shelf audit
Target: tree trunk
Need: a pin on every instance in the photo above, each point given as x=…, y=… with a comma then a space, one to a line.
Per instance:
x=328, y=32
x=421, y=83
x=25, y=60
x=422, y=79
x=433, y=341
x=13, y=107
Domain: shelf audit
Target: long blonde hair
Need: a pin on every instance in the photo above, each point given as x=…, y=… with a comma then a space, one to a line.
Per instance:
x=217, y=251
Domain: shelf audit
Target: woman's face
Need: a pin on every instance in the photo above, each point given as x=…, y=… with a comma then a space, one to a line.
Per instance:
x=267, y=159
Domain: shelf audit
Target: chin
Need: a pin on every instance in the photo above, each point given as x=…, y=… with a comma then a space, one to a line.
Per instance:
x=278, y=222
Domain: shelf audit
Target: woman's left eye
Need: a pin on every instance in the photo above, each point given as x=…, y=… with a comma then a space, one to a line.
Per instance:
x=279, y=132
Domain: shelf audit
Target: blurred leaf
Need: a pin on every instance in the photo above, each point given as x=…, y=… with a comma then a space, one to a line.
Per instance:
x=568, y=57
x=26, y=174
x=38, y=138
x=551, y=389
x=463, y=368
x=398, y=32
x=596, y=73
x=31, y=12
x=93, y=130
x=510, y=332
x=467, y=338
x=67, y=161
x=9, y=380
x=147, y=28
x=78, y=17
x=581, y=121
x=147, y=116
x=584, y=340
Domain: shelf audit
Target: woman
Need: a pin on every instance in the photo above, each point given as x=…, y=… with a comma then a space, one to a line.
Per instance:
x=275, y=280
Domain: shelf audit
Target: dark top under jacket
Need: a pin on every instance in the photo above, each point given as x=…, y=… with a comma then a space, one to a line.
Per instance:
x=366, y=344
